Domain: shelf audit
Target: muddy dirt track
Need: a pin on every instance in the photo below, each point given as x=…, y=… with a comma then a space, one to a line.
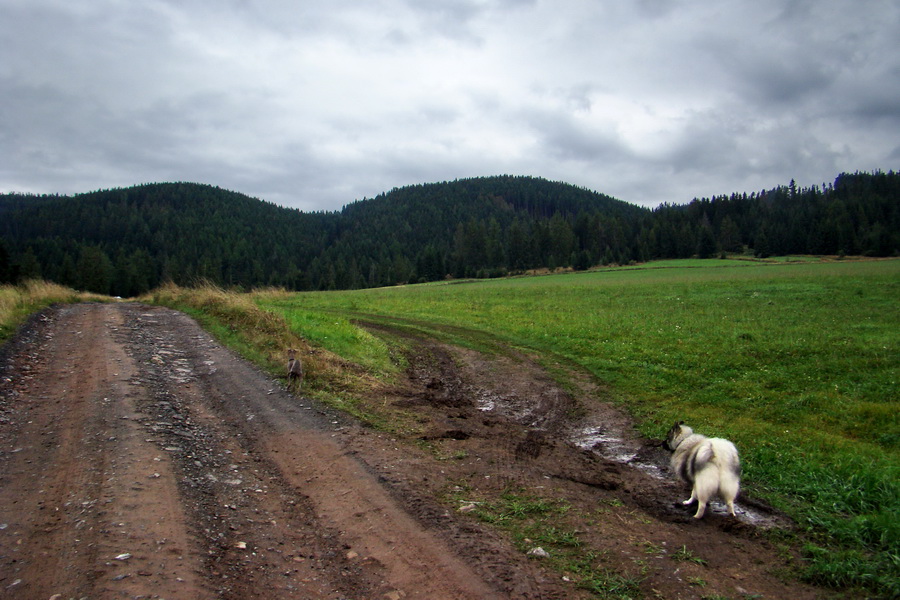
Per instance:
x=140, y=459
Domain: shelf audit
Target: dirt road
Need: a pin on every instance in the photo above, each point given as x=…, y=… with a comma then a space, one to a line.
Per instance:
x=139, y=459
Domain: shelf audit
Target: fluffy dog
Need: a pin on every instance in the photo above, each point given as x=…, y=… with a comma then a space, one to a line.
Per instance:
x=710, y=464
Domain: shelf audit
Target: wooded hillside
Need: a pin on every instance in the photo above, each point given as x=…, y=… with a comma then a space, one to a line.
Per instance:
x=127, y=241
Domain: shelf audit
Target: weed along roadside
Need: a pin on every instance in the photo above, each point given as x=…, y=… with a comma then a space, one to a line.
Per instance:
x=17, y=302
x=796, y=363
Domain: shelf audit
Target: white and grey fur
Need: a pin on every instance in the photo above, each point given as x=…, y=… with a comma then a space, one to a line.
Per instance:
x=294, y=367
x=710, y=464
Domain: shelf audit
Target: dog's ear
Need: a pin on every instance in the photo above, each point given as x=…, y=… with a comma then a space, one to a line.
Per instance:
x=680, y=423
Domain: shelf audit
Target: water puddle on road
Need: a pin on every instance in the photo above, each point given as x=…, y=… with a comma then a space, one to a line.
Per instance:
x=604, y=431
x=612, y=445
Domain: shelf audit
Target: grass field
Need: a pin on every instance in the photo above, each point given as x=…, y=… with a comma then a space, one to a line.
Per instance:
x=796, y=361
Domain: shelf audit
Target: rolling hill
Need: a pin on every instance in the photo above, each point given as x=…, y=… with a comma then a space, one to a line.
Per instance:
x=129, y=240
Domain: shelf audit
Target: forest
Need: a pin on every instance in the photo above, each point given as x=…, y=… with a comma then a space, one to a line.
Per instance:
x=127, y=241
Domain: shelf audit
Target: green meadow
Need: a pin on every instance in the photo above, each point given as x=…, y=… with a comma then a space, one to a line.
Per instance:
x=796, y=361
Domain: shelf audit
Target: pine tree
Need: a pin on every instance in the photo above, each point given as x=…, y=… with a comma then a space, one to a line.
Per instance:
x=29, y=267
x=94, y=270
x=706, y=240
x=5, y=265
x=729, y=236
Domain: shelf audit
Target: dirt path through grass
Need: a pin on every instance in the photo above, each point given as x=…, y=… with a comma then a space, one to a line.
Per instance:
x=138, y=458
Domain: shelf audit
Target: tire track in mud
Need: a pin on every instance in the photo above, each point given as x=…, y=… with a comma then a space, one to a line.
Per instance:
x=316, y=509
x=146, y=460
x=521, y=433
x=80, y=514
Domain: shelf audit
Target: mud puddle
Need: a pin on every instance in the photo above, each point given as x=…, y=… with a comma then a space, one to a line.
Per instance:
x=614, y=444
x=539, y=405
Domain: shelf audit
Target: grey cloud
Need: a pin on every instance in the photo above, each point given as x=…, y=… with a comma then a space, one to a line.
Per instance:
x=316, y=104
x=784, y=80
x=572, y=143
x=894, y=155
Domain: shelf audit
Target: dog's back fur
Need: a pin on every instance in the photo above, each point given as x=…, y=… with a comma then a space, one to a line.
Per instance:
x=710, y=464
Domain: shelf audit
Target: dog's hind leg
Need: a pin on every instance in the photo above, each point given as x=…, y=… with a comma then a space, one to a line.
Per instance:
x=728, y=489
x=701, y=498
x=705, y=487
x=701, y=509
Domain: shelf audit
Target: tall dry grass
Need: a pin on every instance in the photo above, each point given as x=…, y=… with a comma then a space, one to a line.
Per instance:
x=19, y=301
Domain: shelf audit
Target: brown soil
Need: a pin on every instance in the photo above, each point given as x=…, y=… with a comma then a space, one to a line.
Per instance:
x=140, y=459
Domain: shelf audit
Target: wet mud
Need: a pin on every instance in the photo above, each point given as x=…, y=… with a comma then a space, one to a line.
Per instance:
x=140, y=459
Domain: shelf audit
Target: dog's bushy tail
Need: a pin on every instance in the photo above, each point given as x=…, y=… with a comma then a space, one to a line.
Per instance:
x=704, y=455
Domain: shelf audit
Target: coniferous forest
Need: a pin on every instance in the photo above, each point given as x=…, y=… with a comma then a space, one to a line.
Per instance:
x=127, y=241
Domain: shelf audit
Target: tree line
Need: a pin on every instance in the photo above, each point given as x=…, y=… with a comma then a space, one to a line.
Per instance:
x=127, y=241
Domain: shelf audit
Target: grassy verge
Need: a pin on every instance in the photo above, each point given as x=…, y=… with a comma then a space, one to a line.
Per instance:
x=348, y=379
x=19, y=301
x=797, y=362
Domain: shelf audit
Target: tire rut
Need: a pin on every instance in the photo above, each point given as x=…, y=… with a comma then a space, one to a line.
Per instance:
x=145, y=460
x=139, y=458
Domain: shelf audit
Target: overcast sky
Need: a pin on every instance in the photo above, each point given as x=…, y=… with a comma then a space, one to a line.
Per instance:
x=315, y=104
